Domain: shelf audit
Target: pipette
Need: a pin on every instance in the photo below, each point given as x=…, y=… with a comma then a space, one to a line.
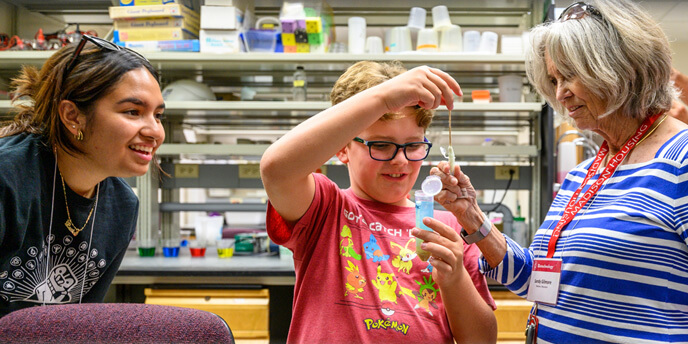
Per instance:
x=449, y=154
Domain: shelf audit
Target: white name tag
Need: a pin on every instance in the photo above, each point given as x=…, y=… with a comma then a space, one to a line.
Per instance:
x=544, y=281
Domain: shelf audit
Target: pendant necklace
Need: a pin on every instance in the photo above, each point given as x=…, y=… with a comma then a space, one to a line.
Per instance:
x=69, y=223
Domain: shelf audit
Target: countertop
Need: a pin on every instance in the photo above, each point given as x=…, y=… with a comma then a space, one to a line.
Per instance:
x=184, y=269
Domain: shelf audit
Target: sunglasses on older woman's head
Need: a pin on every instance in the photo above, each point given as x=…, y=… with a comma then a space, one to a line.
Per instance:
x=98, y=42
x=579, y=10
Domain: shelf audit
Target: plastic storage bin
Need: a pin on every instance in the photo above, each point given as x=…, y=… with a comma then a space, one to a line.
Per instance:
x=263, y=40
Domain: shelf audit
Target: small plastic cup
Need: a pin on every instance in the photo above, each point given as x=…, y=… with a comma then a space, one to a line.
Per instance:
x=225, y=248
x=374, y=45
x=147, y=251
x=417, y=18
x=197, y=248
x=146, y=248
x=440, y=17
x=170, y=248
x=427, y=40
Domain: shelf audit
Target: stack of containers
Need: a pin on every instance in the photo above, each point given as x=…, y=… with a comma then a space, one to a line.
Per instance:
x=156, y=25
x=222, y=25
x=306, y=27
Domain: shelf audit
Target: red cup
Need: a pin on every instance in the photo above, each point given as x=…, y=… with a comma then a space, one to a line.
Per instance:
x=197, y=251
x=197, y=248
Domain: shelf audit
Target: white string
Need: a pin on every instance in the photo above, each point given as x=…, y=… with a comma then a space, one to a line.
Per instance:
x=50, y=228
x=90, y=240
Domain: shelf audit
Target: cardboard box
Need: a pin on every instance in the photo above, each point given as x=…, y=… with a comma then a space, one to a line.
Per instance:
x=221, y=18
x=221, y=41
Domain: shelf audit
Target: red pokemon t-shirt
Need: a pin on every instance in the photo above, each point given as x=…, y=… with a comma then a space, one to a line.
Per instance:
x=358, y=278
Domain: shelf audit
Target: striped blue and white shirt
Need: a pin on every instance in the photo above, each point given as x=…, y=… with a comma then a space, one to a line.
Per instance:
x=624, y=256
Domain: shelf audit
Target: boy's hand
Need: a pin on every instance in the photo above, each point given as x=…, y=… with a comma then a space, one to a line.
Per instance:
x=446, y=247
x=423, y=86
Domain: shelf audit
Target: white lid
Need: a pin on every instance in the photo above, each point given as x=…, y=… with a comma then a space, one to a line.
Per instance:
x=432, y=185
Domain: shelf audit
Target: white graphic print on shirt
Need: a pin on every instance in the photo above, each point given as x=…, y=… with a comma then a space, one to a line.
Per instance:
x=30, y=281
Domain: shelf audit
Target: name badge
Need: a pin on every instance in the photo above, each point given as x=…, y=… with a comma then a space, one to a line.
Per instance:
x=544, y=281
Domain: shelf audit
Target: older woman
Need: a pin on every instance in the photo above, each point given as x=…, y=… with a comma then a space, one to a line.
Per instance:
x=610, y=261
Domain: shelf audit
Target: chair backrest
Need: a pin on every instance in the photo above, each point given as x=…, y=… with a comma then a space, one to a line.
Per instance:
x=113, y=323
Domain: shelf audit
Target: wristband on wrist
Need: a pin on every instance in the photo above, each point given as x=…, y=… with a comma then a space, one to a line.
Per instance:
x=480, y=234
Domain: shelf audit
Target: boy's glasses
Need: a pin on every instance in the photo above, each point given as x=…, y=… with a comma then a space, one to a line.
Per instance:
x=579, y=10
x=98, y=42
x=386, y=150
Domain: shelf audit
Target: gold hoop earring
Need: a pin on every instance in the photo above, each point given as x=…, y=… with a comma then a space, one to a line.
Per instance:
x=79, y=135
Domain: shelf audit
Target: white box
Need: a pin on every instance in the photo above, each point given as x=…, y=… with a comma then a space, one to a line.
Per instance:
x=240, y=4
x=512, y=44
x=221, y=41
x=221, y=18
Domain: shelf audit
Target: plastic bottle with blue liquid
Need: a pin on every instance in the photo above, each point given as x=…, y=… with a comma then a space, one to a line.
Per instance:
x=431, y=186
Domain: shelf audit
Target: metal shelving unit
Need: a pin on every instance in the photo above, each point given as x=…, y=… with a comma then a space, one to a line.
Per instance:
x=270, y=75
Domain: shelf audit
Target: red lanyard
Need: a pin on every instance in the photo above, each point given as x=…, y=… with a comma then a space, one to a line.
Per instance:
x=575, y=204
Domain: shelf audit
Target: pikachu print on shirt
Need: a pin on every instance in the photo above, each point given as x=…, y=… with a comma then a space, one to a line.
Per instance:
x=383, y=276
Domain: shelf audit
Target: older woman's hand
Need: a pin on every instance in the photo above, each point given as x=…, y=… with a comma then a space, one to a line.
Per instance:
x=457, y=193
x=446, y=249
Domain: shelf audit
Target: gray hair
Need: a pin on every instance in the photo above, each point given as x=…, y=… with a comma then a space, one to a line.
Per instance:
x=623, y=58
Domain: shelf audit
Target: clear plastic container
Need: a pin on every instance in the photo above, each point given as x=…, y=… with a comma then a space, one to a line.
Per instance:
x=298, y=90
x=424, y=208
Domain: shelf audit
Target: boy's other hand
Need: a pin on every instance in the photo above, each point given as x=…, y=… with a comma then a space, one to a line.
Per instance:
x=446, y=249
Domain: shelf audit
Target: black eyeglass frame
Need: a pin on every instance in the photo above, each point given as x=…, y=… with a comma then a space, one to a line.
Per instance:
x=398, y=146
x=578, y=10
x=102, y=44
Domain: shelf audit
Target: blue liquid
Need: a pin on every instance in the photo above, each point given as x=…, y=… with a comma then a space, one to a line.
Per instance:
x=170, y=251
x=424, y=208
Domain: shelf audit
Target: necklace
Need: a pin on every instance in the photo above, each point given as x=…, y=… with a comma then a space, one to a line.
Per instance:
x=69, y=224
x=606, y=158
x=652, y=130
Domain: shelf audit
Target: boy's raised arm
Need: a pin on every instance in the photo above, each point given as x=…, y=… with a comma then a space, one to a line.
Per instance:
x=286, y=165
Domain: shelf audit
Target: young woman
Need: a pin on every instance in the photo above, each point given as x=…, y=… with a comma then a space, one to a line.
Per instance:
x=90, y=116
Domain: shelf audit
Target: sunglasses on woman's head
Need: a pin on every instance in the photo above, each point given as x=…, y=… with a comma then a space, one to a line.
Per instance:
x=579, y=10
x=98, y=42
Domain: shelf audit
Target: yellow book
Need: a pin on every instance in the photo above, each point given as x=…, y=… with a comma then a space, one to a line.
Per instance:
x=169, y=10
x=158, y=34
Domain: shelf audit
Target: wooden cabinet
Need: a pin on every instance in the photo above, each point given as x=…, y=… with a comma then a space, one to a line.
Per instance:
x=512, y=314
x=246, y=311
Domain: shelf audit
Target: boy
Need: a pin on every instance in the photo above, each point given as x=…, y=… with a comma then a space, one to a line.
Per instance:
x=358, y=278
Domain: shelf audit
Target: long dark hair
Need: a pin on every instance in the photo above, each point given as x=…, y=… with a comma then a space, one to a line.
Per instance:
x=37, y=94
